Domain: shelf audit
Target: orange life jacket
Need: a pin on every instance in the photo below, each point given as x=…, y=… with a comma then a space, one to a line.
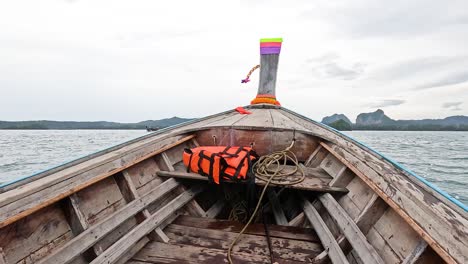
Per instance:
x=220, y=162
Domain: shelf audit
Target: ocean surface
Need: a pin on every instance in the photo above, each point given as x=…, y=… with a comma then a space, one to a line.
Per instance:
x=440, y=157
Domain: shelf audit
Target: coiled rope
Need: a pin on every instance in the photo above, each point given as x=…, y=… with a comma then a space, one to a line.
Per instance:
x=271, y=169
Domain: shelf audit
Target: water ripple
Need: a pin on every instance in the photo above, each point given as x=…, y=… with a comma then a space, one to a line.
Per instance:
x=440, y=157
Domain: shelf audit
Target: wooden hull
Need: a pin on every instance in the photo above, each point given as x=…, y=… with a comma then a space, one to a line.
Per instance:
x=135, y=203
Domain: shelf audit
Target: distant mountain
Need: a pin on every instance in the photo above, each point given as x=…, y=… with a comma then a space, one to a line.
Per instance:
x=333, y=118
x=379, y=121
x=46, y=124
x=164, y=122
x=341, y=125
x=377, y=118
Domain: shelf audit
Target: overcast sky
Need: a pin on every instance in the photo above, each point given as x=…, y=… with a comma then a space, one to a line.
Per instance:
x=137, y=60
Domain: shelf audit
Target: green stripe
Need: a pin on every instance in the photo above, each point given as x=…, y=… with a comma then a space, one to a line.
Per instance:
x=271, y=40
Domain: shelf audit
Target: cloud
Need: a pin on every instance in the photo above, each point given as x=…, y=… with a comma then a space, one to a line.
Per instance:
x=454, y=106
x=369, y=18
x=451, y=79
x=331, y=65
x=385, y=103
x=421, y=66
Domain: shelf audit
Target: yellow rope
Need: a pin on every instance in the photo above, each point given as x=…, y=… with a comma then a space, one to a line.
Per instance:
x=247, y=79
x=270, y=168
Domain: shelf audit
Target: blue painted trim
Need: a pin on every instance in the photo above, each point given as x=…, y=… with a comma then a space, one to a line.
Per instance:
x=396, y=164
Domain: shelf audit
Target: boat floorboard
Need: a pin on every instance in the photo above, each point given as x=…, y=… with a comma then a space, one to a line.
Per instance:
x=201, y=240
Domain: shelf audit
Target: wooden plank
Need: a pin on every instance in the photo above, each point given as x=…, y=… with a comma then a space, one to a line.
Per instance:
x=143, y=174
x=397, y=233
x=156, y=252
x=309, y=172
x=193, y=207
x=167, y=161
x=283, y=249
x=94, y=233
x=351, y=231
x=312, y=156
x=278, y=212
x=298, y=220
x=328, y=241
x=42, y=197
x=228, y=121
x=381, y=245
x=2, y=257
x=374, y=209
x=35, y=236
x=342, y=178
x=318, y=158
x=258, y=118
x=310, y=184
x=287, y=232
x=130, y=193
x=195, y=142
x=414, y=256
x=403, y=204
x=78, y=221
x=135, y=249
x=283, y=122
x=119, y=248
x=332, y=165
x=215, y=209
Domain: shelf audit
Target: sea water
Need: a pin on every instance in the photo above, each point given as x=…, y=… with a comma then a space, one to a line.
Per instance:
x=439, y=157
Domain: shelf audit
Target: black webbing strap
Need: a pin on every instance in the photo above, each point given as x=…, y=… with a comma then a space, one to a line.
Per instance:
x=200, y=158
x=189, y=166
x=225, y=153
x=211, y=159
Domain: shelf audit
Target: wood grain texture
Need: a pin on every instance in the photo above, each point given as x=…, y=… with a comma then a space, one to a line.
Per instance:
x=215, y=209
x=421, y=217
x=130, y=193
x=123, y=245
x=351, y=231
x=283, y=249
x=278, y=213
x=326, y=237
x=414, y=256
x=193, y=207
x=184, y=254
x=35, y=236
x=309, y=184
x=268, y=73
x=94, y=233
x=286, y=232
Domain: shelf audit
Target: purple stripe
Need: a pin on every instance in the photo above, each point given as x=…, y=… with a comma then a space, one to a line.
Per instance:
x=270, y=50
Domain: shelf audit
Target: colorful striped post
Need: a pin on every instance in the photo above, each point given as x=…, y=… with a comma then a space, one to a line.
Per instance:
x=269, y=56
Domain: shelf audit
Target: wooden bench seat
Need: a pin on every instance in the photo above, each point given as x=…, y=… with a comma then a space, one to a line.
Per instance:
x=315, y=184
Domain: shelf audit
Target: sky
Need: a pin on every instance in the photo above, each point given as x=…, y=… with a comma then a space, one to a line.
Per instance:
x=129, y=61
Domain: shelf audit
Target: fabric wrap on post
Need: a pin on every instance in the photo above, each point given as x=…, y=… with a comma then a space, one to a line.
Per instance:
x=270, y=49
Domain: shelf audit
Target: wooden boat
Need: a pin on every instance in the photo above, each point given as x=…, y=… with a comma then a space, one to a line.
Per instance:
x=135, y=202
x=151, y=129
